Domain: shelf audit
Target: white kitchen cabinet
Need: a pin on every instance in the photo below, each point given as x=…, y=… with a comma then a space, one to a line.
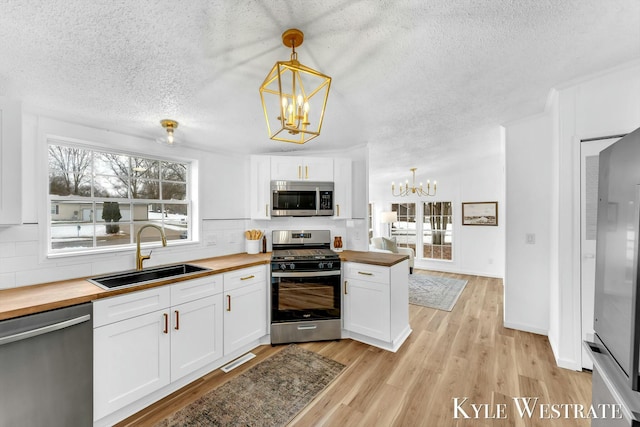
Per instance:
x=376, y=304
x=196, y=335
x=131, y=356
x=197, y=324
x=342, y=188
x=291, y=168
x=260, y=187
x=10, y=162
x=145, y=340
x=245, y=314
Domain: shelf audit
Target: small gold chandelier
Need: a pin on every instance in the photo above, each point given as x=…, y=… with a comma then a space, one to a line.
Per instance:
x=407, y=190
x=299, y=96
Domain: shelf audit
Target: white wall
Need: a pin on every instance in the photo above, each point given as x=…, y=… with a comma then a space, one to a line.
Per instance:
x=528, y=211
x=596, y=106
x=477, y=250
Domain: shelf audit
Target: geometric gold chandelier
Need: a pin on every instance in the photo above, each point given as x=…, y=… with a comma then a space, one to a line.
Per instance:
x=409, y=190
x=294, y=96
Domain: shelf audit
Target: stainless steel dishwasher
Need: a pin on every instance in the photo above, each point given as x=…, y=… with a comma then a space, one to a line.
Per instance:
x=46, y=369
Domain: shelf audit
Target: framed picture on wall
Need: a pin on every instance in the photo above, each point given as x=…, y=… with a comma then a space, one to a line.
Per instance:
x=480, y=213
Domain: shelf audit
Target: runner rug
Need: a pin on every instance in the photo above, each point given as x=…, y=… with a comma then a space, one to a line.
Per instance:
x=436, y=292
x=271, y=393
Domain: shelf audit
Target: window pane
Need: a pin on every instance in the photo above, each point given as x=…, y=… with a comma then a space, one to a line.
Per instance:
x=174, y=172
x=404, y=230
x=112, y=233
x=71, y=235
x=111, y=164
x=176, y=221
x=141, y=211
x=111, y=186
x=172, y=191
x=145, y=168
x=437, y=230
x=69, y=171
x=145, y=189
x=71, y=211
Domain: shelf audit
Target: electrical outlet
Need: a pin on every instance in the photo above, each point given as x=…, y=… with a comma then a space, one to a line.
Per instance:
x=211, y=239
x=530, y=239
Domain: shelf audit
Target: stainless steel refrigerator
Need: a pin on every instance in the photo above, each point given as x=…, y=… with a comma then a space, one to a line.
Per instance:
x=616, y=347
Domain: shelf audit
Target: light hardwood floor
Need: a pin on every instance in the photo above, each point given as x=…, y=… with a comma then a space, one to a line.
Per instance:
x=465, y=353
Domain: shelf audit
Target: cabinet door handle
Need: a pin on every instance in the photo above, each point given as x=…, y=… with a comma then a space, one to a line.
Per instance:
x=299, y=172
x=166, y=323
x=365, y=273
x=266, y=209
x=345, y=287
x=247, y=277
x=306, y=172
x=228, y=302
x=177, y=328
x=338, y=208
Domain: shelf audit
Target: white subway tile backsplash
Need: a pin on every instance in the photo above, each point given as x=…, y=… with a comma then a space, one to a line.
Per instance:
x=7, y=280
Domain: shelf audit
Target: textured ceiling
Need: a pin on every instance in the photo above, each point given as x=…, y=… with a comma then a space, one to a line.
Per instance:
x=410, y=77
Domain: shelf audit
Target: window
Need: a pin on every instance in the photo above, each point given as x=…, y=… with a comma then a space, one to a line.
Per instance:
x=404, y=231
x=437, y=230
x=100, y=199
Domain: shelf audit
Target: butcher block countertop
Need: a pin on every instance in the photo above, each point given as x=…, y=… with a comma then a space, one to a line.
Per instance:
x=26, y=300
x=374, y=258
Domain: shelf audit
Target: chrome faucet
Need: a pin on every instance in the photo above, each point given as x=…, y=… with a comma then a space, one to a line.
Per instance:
x=139, y=257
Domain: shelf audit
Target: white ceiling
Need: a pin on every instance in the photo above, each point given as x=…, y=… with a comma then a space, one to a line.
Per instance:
x=410, y=77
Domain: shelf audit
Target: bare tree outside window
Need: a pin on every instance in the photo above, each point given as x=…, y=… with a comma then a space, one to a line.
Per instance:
x=69, y=171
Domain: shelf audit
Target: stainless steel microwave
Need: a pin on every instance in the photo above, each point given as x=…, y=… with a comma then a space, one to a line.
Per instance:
x=301, y=198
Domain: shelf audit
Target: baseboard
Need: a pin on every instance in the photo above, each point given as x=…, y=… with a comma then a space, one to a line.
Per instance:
x=526, y=328
x=417, y=266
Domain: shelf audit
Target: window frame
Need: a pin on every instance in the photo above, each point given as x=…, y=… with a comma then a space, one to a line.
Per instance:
x=94, y=200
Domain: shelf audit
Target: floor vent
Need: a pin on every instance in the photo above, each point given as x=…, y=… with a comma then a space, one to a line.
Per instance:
x=239, y=361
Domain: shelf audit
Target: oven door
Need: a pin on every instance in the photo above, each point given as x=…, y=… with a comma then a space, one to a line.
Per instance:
x=309, y=295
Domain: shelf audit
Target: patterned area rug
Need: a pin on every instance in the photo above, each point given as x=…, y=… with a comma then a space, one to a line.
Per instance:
x=269, y=394
x=435, y=292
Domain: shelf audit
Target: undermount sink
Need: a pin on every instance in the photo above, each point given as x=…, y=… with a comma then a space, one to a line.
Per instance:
x=148, y=275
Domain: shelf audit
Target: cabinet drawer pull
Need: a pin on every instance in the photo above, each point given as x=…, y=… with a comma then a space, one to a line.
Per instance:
x=228, y=302
x=365, y=273
x=177, y=328
x=345, y=287
x=166, y=323
x=247, y=277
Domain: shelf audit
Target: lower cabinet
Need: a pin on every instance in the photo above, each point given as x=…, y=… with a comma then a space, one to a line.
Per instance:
x=196, y=338
x=142, y=342
x=245, y=314
x=376, y=304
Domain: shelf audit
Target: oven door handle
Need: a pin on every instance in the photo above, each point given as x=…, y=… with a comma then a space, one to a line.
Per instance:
x=306, y=273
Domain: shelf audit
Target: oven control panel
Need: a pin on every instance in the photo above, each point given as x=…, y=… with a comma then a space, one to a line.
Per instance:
x=305, y=266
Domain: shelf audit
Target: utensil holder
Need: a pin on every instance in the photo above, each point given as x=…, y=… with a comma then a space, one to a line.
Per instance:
x=253, y=246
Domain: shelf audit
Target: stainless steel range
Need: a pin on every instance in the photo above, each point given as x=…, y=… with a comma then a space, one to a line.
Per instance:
x=305, y=287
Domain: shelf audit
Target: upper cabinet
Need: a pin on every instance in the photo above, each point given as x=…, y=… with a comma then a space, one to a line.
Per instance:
x=290, y=168
x=10, y=162
x=260, y=188
x=342, y=200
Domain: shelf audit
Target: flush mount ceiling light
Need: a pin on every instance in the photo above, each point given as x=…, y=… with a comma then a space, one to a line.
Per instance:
x=407, y=190
x=294, y=96
x=169, y=138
